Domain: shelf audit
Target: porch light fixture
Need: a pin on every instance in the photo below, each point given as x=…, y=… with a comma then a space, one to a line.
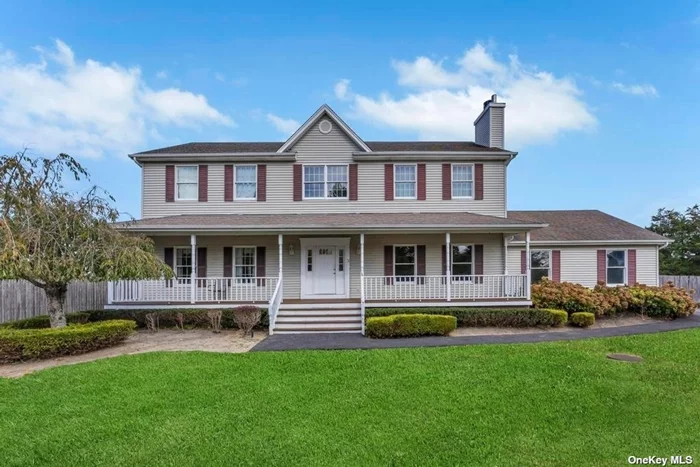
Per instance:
x=291, y=249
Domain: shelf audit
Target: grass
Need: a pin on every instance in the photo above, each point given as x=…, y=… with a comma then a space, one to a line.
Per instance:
x=527, y=404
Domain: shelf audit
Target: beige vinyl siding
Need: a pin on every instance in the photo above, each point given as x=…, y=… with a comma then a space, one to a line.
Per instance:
x=374, y=254
x=497, y=130
x=579, y=264
x=280, y=196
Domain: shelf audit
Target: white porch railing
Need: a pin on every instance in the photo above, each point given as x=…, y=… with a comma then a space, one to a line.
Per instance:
x=206, y=290
x=274, y=306
x=422, y=288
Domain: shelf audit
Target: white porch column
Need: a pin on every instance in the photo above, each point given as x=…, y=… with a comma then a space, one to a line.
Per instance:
x=193, y=276
x=280, y=244
x=527, y=263
x=448, y=266
x=362, y=268
x=505, y=254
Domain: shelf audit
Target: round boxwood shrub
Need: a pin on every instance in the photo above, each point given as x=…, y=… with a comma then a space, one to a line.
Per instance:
x=559, y=317
x=582, y=319
x=412, y=325
x=28, y=344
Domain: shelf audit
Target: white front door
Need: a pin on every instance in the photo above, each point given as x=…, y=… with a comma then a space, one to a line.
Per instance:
x=324, y=267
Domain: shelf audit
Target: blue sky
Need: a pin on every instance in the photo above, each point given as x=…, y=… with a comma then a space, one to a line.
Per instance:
x=602, y=97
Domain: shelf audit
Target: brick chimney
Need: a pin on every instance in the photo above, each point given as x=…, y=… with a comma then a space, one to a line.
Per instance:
x=489, y=126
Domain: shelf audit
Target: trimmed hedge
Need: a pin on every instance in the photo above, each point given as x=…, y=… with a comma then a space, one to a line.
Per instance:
x=42, y=321
x=28, y=344
x=193, y=318
x=472, y=317
x=582, y=319
x=560, y=317
x=410, y=325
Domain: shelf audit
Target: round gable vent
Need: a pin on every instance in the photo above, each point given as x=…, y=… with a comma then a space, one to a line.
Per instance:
x=325, y=127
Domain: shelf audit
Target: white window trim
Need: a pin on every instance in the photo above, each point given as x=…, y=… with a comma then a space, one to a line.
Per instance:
x=325, y=181
x=415, y=183
x=235, y=167
x=549, y=270
x=415, y=262
x=177, y=192
x=186, y=248
x=624, y=268
x=252, y=282
x=473, y=263
x=452, y=182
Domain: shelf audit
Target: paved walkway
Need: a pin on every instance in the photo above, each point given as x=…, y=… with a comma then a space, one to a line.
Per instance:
x=357, y=341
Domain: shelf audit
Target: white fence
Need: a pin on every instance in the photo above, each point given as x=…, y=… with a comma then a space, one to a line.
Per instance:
x=687, y=282
x=21, y=299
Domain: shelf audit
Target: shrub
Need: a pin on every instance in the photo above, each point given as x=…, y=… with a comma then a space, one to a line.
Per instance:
x=582, y=319
x=566, y=296
x=170, y=318
x=469, y=317
x=559, y=317
x=27, y=344
x=39, y=322
x=410, y=325
x=667, y=301
x=247, y=317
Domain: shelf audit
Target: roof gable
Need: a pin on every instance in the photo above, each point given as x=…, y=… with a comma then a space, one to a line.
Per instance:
x=322, y=111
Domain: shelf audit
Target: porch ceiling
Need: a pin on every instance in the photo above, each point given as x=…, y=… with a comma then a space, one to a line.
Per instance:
x=365, y=222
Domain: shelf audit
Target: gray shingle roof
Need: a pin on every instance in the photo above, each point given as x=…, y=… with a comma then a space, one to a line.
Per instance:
x=587, y=226
x=251, y=147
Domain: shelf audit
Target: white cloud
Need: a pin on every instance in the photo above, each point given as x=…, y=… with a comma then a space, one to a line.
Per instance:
x=162, y=74
x=286, y=126
x=341, y=88
x=219, y=76
x=87, y=108
x=442, y=103
x=636, y=89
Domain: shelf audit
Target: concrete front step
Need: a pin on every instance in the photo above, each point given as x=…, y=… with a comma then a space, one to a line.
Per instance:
x=318, y=331
x=321, y=327
x=348, y=312
x=320, y=319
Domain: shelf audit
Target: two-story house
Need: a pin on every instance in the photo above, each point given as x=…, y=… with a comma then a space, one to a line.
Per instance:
x=319, y=226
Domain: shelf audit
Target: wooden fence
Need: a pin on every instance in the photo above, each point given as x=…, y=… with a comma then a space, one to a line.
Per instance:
x=21, y=299
x=687, y=282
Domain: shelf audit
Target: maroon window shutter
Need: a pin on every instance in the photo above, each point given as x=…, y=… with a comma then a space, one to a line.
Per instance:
x=478, y=259
x=478, y=181
x=420, y=263
x=260, y=264
x=446, y=182
x=169, y=259
x=228, y=261
x=297, y=182
x=228, y=183
x=602, y=276
x=631, y=267
x=421, y=182
x=389, y=263
x=556, y=265
x=523, y=262
x=353, y=182
x=201, y=265
x=388, y=182
x=203, y=182
x=262, y=182
x=169, y=183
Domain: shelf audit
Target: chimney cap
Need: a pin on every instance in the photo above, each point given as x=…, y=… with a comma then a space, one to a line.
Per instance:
x=493, y=100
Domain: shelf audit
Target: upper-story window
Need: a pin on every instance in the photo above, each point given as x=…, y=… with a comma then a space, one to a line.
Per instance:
x=462, y=180
x=616, y=267
x=186, y=182
x=405, y=181
x=246, y=182
x=325, y=181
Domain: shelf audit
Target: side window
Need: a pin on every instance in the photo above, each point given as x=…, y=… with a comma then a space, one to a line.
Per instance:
x=540, y=265
x=616, y=267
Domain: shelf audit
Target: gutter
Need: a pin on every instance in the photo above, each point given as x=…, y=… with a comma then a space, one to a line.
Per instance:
x=594, y=242
x=214, y=157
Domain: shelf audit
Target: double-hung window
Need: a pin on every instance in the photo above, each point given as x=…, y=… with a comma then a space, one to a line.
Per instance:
x=244, y=265
x=540, y=265
x=405, y=263
x=246, y=182
x=462, y=262
x=462, y=180
x=616, y=267
x=186, y=182
x=405, y=181
x=183, y=262
x=325, y=181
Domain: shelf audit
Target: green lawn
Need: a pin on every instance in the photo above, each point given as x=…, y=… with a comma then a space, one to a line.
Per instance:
x=526, y=404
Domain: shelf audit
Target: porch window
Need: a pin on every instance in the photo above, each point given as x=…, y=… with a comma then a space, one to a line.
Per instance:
x=540, y=265
x=405, y=181
x=325, y=181
x=244, y=264
x=186, y=182
x=462, y=262
x=405, y=263
x=246, y=182
x=462, y=180
x=183, y=262
x=616, y=267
